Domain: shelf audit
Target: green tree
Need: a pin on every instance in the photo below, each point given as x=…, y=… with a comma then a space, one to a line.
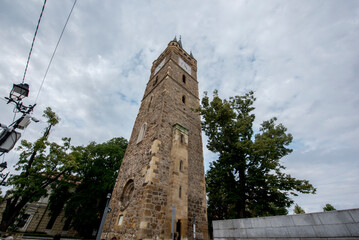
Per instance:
x=328, y=207
x=298, y=209
x=247, y=179
x=40, y=164
x=98, y=166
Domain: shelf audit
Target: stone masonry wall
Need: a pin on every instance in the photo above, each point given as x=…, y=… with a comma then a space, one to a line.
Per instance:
x=343, y=224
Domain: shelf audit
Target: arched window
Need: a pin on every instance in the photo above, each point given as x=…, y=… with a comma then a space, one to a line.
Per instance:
x=142, y=133
x=127, y=194
x=184, y=99
x=183, y=78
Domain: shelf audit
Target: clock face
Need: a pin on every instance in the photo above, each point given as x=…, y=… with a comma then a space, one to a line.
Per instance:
x=185, y=66
x=159, y=66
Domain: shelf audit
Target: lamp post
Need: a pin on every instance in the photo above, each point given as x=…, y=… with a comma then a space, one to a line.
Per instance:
x=8, y=136
x=17, y=94
x=107, y=209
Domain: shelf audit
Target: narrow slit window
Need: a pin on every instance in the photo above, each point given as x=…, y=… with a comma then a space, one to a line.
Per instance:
x=181, y=166
x=155, y=82
x=149, y=104
x=120, y=220
x=180, y=192
x=184, y=99
x=183, y=78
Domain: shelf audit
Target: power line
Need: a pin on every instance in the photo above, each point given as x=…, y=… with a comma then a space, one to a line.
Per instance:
x=33, y=41
x=53, y=54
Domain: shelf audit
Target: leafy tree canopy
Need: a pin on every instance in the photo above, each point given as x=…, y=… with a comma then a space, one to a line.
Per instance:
x=328, y=207
x=40, y=164
x=79, y=179
x=298, y=209
x=85, y=194
x=247, y=180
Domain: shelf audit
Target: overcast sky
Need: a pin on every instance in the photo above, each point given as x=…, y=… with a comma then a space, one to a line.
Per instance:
x=300, y=57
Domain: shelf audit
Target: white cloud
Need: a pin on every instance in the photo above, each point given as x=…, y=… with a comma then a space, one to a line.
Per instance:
x=300, y=57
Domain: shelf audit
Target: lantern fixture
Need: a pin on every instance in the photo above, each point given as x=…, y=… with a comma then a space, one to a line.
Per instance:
x=19, y=92
x=8, y=140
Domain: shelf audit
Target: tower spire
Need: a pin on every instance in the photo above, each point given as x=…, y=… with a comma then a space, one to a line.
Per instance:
x=180, y=42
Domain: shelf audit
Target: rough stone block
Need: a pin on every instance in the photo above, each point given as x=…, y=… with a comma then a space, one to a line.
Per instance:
x=281, y=221
x=334, y=230
x=240, y=233
x=335, y=217
x=236, y=223
x=355, y=214
x=317, y=238
x=301, y=231
x=256, y=233
x=231, y=233
x=219, y=233
x=278, y=232
x=316, y=219
x=303, y=219
x=215, y=224
x=225, y=224
x=261, y=222
x=353, y=229
x=245, y=223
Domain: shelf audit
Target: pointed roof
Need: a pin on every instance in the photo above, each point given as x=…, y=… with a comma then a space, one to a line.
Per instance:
x=180, y=42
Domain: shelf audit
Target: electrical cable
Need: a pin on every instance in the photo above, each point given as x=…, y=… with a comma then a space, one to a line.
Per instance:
x=48, y=67
x=53, y=54
x=33, y=41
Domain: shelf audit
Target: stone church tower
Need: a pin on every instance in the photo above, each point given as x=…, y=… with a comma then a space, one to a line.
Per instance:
x=163, y=164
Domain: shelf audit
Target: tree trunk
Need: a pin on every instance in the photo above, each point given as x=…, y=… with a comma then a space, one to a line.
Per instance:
x=11, y=211
x=241, y=204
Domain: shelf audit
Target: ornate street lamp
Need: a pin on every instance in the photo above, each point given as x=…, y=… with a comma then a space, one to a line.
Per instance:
x=8, y=136
x=19, y=92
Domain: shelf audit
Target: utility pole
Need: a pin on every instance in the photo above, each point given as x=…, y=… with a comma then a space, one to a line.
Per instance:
x=107, y=209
